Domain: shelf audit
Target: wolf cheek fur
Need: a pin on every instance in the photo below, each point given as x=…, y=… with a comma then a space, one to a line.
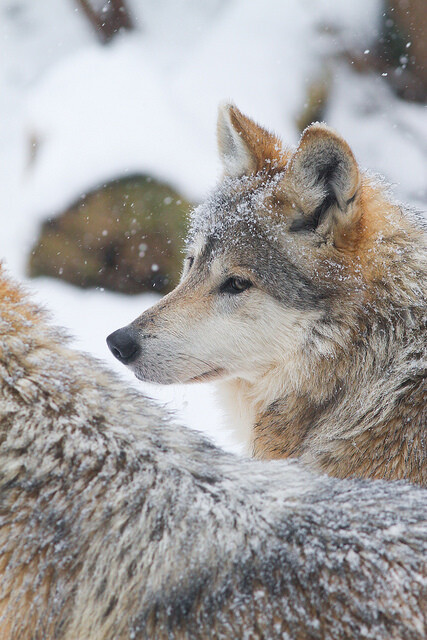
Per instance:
x=117, y=525
x=324, y=355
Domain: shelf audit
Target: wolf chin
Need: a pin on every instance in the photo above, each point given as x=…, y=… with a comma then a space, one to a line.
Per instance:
x=116, y=524
x=303, y=295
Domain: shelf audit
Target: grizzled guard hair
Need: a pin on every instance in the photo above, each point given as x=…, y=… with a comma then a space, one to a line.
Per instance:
x=115, y=523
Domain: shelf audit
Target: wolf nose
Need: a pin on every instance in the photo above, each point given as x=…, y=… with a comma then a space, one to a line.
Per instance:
x=123, y=345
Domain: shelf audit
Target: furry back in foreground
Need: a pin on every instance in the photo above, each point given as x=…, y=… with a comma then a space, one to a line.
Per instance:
x=304, y=296
x=115, y=523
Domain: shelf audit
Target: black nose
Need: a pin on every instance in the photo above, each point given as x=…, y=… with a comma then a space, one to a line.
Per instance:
x=123, y=345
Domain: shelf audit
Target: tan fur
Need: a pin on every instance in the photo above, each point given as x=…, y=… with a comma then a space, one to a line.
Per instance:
x=381, y=453
x=10, y=297
x=267, y=153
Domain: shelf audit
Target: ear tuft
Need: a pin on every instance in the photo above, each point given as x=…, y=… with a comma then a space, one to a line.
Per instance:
x=325, y=178
x=245, y=147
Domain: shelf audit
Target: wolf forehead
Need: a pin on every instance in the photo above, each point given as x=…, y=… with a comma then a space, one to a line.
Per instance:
x=238, y=210
x=242, y=224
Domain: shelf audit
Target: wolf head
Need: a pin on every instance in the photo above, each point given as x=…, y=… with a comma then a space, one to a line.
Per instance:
x=276, y=251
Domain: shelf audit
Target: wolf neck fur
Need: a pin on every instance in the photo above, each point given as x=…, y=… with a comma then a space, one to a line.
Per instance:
x=333, y=414
x=245, y=401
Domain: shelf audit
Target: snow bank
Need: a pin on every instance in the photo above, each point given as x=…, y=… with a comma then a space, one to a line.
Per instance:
x=103, y=112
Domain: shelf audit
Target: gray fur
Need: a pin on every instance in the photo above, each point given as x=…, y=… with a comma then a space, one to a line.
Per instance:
x=116, y=523
x=233, y=220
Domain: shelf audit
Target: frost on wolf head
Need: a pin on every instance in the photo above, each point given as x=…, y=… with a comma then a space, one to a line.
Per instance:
x=316, y=188
x=253, y=161
x=243, y=201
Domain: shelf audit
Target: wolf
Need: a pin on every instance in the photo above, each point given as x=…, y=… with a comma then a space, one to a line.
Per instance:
x=303, y=295
x=117, y=524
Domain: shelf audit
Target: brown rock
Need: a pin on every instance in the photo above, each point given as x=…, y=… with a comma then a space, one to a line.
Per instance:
x=125, y=236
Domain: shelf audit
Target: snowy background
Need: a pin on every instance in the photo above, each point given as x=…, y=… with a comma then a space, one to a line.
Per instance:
x=147, y=103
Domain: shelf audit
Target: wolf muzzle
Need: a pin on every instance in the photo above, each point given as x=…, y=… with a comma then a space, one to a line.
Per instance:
x=123, y=345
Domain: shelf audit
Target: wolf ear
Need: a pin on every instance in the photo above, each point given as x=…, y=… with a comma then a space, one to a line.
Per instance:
x=325, y=179
x=245, y=147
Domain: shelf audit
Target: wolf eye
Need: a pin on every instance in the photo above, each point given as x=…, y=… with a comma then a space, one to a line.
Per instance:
x=190, y=261
x=235, y=285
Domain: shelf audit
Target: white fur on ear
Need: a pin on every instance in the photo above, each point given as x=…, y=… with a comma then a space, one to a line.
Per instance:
x=237, y=158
